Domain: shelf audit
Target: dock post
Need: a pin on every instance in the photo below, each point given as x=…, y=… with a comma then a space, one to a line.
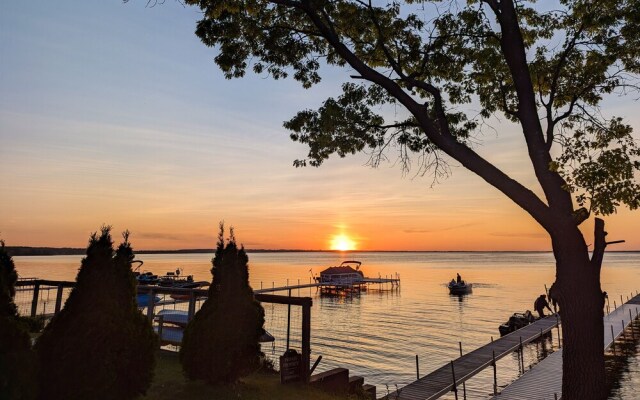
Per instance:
x=160, y=327
x=464, y=385
x=192, y=306
x=59, y=299
x=306, y=340
x=558, y=326
x=633, y=335
x=288, y=318
x=614, y=305
x=621, y=301
x=522, y=355
x=555, y=396
x=495, y=373
x=34, y=302
x=613, y=341
x=624, y=335
x=417, y=368
x=454, y=389
x=150, y=304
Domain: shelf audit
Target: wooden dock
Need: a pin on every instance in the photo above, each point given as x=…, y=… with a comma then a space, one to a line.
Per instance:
x=346, y=285
x=441, y=381
x=544, y=381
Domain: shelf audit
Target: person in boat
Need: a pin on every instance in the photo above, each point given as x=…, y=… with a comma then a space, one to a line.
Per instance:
x=458, y=279
x=453, y=282
x=540, y=304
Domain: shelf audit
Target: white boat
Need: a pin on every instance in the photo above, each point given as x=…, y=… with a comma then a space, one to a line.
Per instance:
x=180, y=318
x=347, y=273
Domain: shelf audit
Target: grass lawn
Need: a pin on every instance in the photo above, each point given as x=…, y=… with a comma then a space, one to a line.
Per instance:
x=169, y=383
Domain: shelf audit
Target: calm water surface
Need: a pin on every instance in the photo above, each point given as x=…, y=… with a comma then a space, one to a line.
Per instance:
x=378, y=334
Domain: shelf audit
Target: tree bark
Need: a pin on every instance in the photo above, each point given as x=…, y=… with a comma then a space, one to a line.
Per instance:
x=581, y=309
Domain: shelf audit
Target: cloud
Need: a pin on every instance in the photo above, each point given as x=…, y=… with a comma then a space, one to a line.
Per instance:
x=159, y=235
x=449, y=228
x=520, y=235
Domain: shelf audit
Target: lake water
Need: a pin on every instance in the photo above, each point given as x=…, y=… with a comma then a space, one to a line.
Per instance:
x=378, y=334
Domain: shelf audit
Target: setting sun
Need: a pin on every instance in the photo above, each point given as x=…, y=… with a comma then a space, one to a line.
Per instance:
x=342, y=243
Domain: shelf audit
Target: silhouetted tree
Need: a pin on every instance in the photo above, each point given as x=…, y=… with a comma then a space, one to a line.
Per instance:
x=17, y=360
x=221, y=344
x=99, y=346
x=428, y=74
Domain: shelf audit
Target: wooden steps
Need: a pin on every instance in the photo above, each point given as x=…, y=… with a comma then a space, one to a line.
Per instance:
x=337, y=380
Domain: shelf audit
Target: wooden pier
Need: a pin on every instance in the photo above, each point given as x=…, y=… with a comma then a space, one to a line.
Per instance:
x=335, y=287
x=544, y=381
x=451, y=376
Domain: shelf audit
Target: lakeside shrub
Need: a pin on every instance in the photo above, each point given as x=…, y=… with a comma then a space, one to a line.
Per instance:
x=220, y=344
x=17, y=360
x=99, y=346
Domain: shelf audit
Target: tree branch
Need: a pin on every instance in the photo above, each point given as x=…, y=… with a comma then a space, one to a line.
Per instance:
x=600, y=244
x=521, y=195
x=514, y=51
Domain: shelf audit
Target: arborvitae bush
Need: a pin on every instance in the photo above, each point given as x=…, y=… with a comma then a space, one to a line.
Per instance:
x=220, y=344
x=100, y=346
x=17, y=360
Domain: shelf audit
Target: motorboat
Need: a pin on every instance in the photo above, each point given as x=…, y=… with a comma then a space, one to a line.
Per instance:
x=180, y=319
x=147, y=278
x=515, y=322
x=459, y=288
x=173, y=280
x=348, y=272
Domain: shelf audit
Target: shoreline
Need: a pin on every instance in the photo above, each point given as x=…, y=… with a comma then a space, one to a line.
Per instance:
x=21, y=251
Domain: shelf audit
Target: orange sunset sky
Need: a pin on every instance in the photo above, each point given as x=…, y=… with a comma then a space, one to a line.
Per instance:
x=116, y=113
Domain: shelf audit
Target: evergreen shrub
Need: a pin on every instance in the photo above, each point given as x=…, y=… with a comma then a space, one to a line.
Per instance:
x=17, y=360
x=220, y=344
x=99, y=346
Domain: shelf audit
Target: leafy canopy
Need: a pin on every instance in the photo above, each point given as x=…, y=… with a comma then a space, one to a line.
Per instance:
x=439, y=60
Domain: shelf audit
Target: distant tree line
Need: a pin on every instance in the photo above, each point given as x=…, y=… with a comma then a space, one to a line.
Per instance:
x=14, y=251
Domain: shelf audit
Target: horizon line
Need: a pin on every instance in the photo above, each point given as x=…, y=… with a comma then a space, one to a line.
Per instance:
x=44, y=250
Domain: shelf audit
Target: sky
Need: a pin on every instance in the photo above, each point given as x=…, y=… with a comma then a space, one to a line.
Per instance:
x=116, y=114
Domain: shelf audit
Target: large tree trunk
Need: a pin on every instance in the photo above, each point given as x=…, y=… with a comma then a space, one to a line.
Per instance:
x=581, y=308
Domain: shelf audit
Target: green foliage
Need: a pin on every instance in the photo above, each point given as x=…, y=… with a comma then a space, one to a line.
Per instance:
x=17, y=360
x=8, y=279
x=100, y=346
x=599, y=164
x=220, y=344
x=431, y=72
x=18, y=363
x=32, y=324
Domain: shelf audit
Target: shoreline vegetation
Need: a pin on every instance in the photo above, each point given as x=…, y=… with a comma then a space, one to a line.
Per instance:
x=170, y=383
x=14, y=251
